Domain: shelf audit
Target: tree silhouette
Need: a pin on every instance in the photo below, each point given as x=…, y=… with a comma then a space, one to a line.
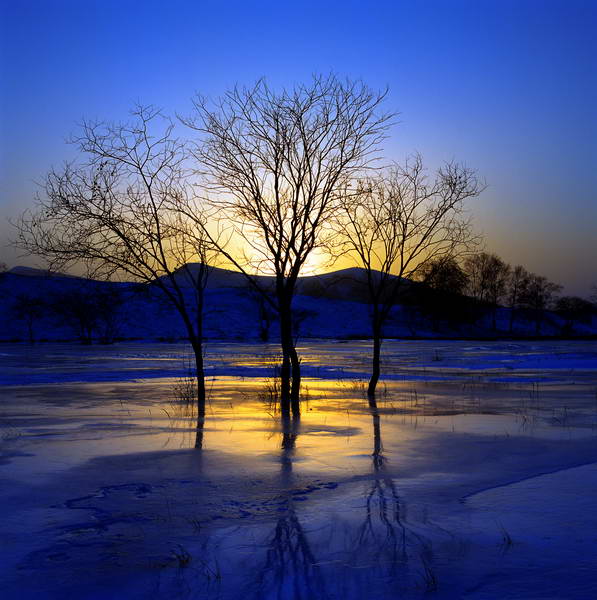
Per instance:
x=125, y=209
x=488, y=278
x=276, y=165
x=29, y=308
x=399, y=221
x=517, y=283
x=537, y=295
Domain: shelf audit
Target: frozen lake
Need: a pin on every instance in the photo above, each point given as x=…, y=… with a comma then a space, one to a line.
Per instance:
x=474, y=475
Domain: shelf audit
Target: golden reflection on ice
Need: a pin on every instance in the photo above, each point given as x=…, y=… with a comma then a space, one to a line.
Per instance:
x=337, y=429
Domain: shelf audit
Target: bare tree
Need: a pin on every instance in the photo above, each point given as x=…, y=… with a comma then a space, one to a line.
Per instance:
x=488, y=278
x=276, y=165
x=265, y=312
x=120, y=211
x=574, y=310
x=517, y=283
x=29, y=308
x=443, y=275
x=441, y=297
x=109, y=306
x=538, y=295
x=91, y=309
x=396, y=223
x=76, y=308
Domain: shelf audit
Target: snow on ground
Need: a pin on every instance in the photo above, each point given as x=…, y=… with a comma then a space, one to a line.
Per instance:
x=474, y=476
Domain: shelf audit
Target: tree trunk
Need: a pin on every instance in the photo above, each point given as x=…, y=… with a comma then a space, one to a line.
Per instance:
x=287, y=350
x=296, y=382
x=377, y=446
x=376, y=370
x=201, y=395
x=197, y=343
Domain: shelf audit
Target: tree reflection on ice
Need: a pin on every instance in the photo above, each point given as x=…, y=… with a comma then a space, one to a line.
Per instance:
x=290, y=569
x=320, y=554
x=106, y=494
x=383, y=505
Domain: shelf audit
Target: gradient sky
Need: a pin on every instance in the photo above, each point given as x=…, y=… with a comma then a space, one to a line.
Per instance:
x=507, y=86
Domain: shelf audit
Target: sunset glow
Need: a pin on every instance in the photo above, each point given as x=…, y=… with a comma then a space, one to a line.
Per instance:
x=298, y=300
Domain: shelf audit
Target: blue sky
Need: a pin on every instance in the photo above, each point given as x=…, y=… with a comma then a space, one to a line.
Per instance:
x=508, y=87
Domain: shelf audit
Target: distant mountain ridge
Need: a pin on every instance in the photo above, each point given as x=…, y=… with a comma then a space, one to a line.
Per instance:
x=343, y=284
x=33, y=272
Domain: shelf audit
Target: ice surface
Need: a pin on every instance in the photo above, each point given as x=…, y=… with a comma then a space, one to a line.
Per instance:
x=474, y=476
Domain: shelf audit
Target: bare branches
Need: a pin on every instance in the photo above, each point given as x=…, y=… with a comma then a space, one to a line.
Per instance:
x=128, y=208
x=488, y=277
x=117, y=210
x=276, y=163
x=398, y=221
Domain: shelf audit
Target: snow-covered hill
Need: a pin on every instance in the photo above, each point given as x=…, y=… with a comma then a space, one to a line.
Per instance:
x=36, y=304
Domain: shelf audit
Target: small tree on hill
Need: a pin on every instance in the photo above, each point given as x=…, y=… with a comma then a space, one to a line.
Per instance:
x=265, y=312
x=77, y=310
x=488, y=277
x=574, y=310
x=517, y=283
x=109, y=303
x=444, y=275
x=29, y=309
x=440, y=296
x=91, y=311
x=538, y=295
